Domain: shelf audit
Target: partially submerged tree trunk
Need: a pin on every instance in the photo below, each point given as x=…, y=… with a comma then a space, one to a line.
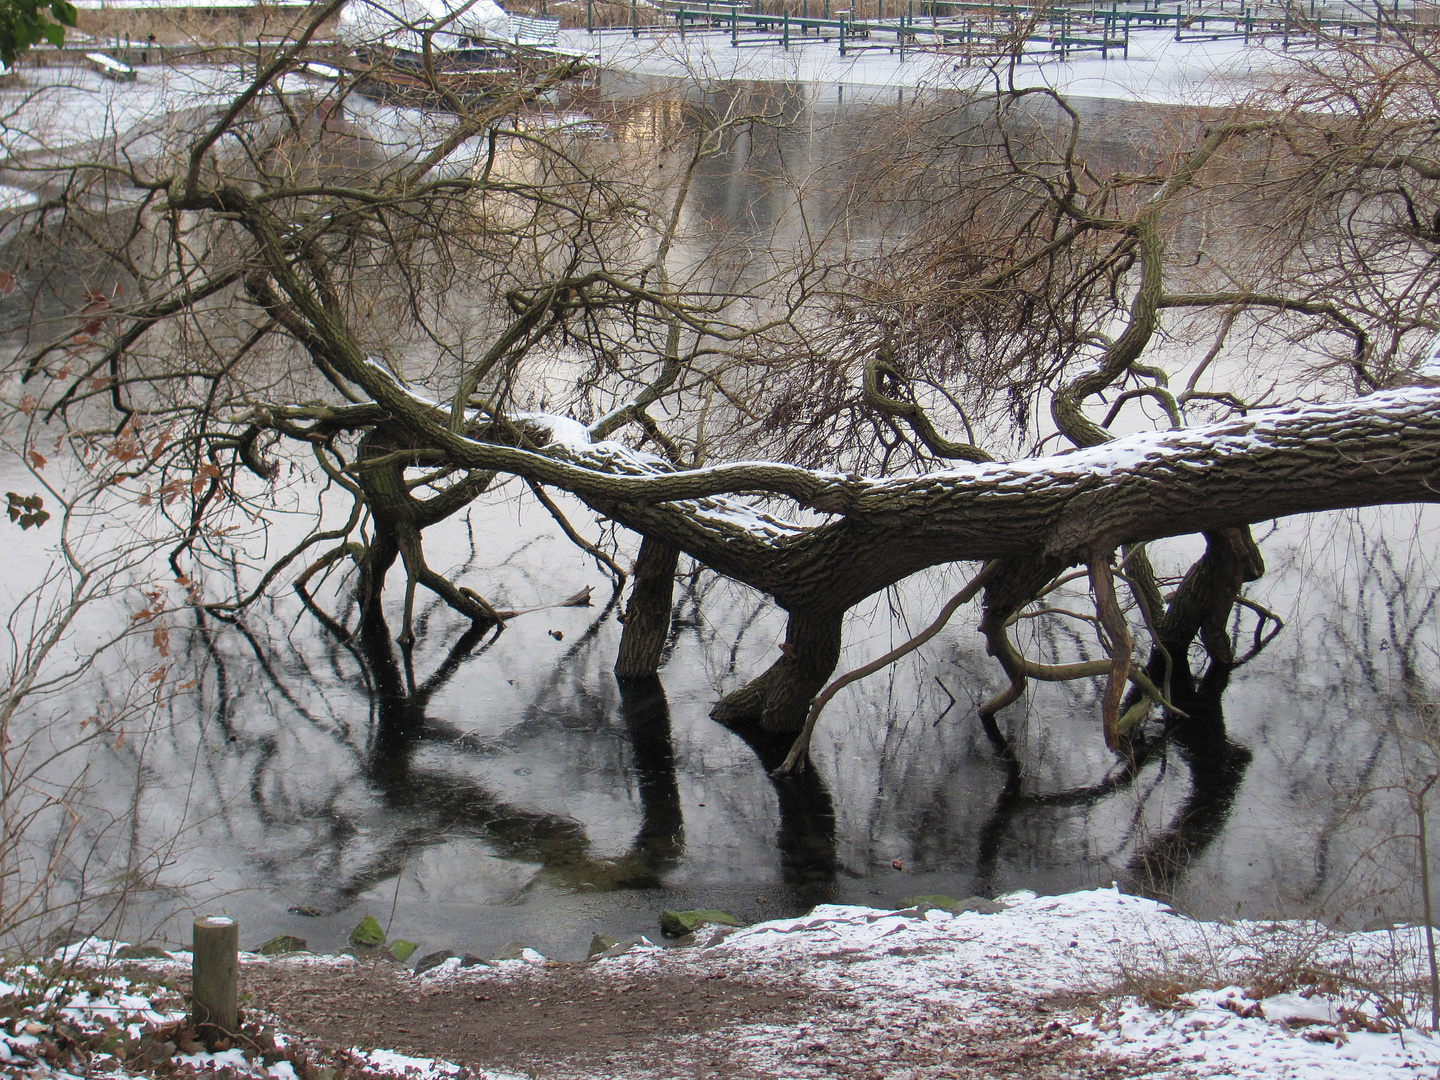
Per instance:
x=779, y=699
x=647, y=617
x=399, y=520
x=1205, y=598
x=1035, y=266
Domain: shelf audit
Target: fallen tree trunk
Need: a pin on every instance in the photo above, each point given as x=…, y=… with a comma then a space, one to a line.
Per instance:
x=1383, y=448
x=1060, y=510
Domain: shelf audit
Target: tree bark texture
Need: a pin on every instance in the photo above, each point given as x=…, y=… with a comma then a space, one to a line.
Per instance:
x=1203, y=601
x=779, y=699
x=1384, y=448
x=647, y=616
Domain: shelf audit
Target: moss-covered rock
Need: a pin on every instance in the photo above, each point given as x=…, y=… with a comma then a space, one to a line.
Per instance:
x=281, y=944
x=432, y=960
x=677, y=923
x=141, y=952
x=369, y=934
x=955, y=907
x=599, y=943
x=402, y=950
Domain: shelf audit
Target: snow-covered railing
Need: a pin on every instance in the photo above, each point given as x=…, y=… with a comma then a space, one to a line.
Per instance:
x=529, y=30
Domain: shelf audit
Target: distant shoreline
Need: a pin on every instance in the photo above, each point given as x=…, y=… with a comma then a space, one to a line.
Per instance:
x=1158, y=71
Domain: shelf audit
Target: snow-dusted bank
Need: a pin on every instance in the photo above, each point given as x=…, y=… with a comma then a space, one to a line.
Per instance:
x=1158, y=69
x=1110, y=974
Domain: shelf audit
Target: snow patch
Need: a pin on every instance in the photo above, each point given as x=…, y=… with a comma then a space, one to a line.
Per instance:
x=928, y=976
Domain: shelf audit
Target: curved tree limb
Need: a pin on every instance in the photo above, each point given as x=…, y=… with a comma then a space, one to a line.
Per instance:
x=879, y=366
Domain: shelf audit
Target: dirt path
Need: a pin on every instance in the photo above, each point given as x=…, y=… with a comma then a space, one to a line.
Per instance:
x=666, y=1021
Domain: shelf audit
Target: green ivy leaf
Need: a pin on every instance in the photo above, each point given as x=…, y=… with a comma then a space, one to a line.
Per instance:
x=24, y=23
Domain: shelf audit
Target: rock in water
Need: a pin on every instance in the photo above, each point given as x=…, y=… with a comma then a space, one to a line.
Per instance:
x=677, y=923
x=617, y=946
x=513, y=950
x=284, y=943
x=432, y=960
x=599, y=943
x=955, y=907
x=369, y=934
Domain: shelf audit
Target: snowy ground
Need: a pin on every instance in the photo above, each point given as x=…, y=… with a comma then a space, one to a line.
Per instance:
x=1119, y=977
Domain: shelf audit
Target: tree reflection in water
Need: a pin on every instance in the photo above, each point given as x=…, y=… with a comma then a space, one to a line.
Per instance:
x=806, y=837
x=346, y=766
x=1216, y=764
x=419, y=765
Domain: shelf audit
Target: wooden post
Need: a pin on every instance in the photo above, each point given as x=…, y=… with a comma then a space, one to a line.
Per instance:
x=215, y=976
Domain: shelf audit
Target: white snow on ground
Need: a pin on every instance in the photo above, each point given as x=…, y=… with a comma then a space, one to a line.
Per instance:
x=1212, y=1036
x=1080, y=942
x=977, y=966
x=1248, y=999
